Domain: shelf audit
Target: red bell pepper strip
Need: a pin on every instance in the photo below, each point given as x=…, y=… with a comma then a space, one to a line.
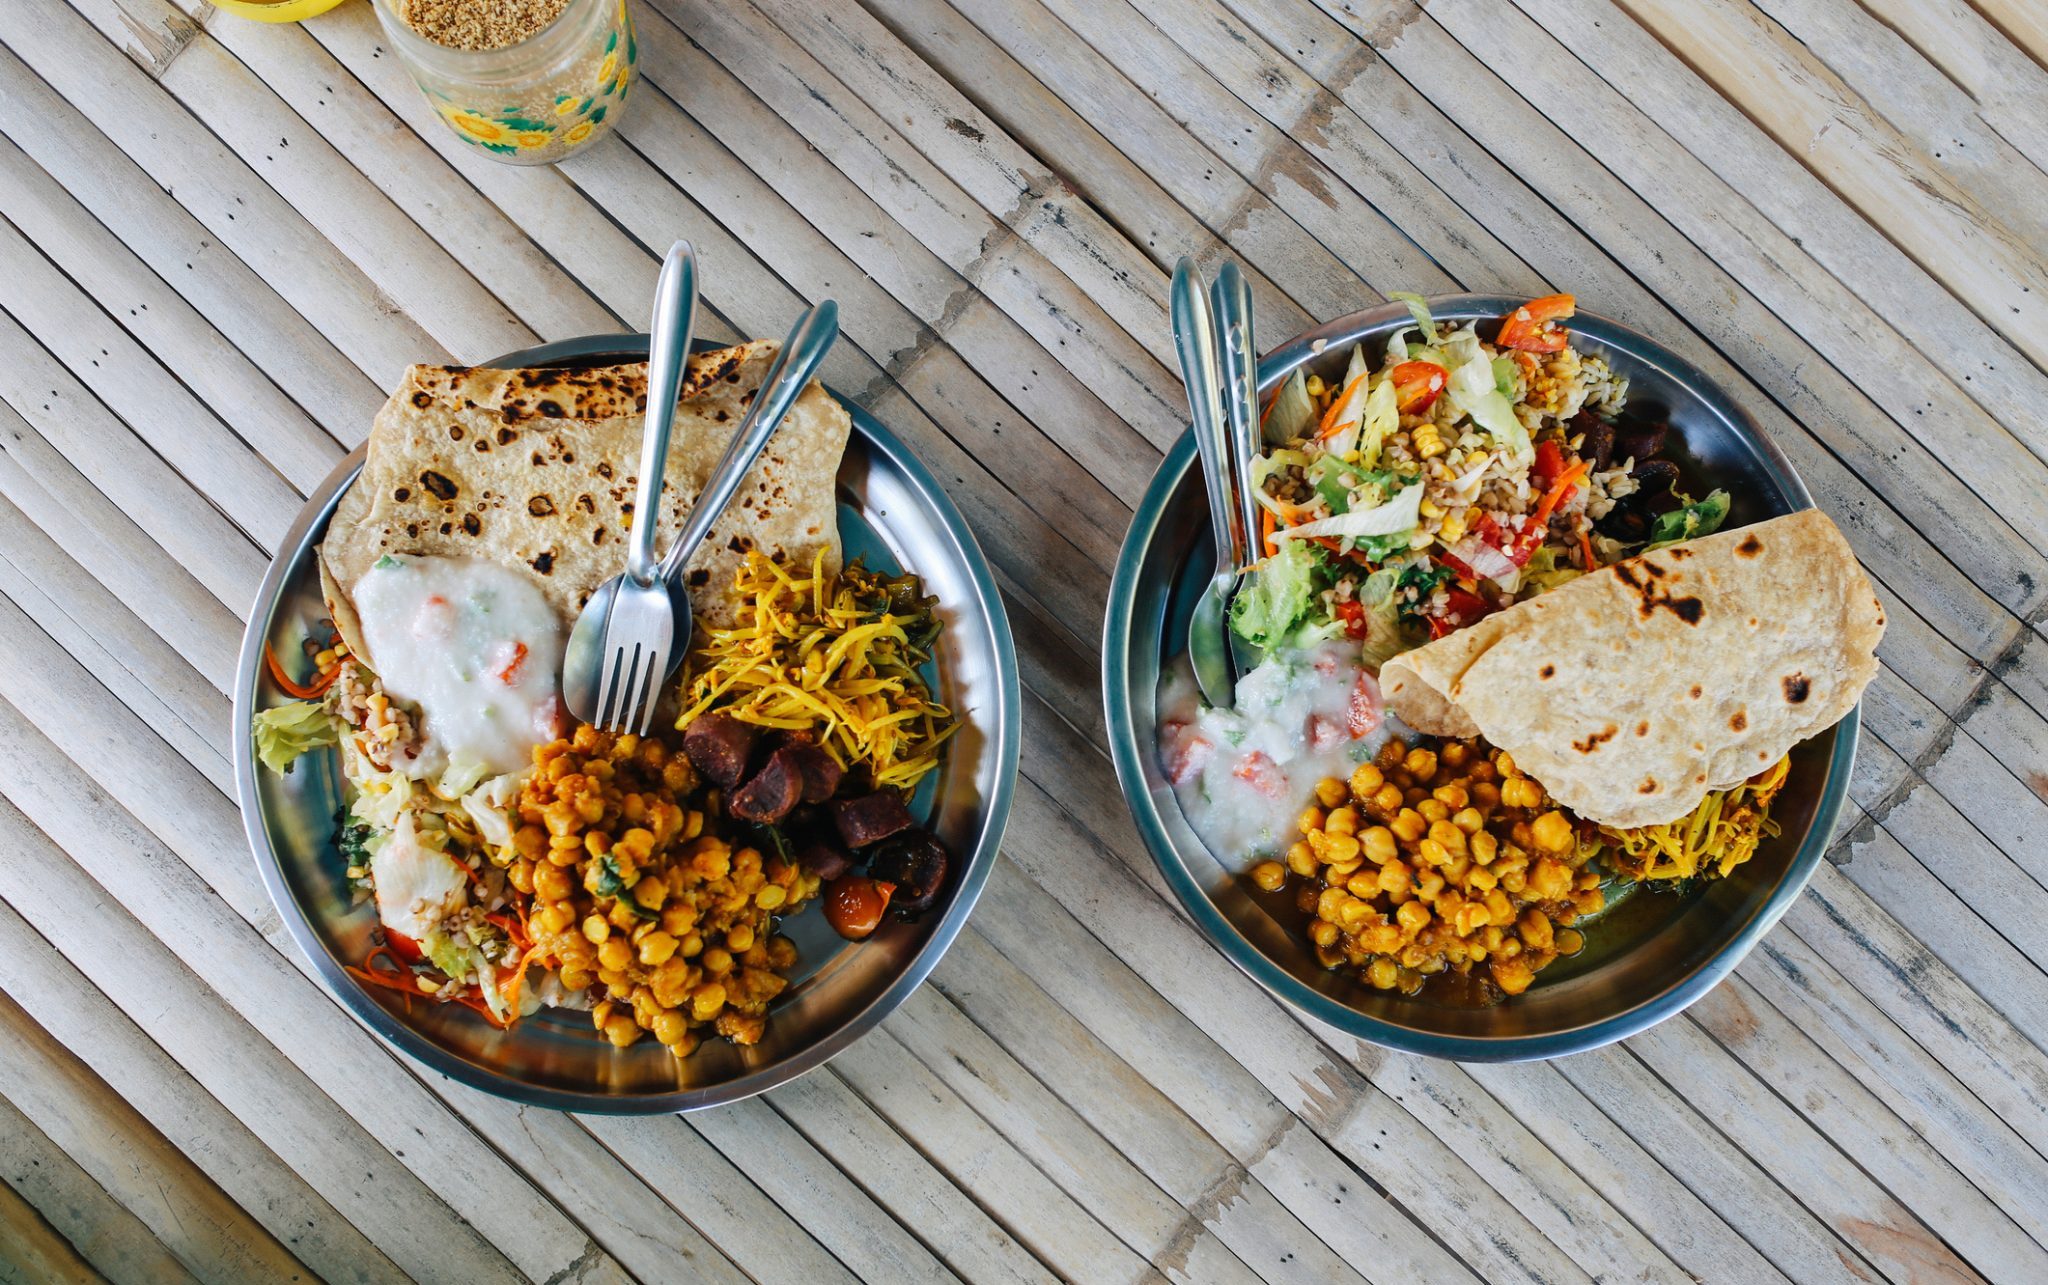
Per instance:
x=1528, y=327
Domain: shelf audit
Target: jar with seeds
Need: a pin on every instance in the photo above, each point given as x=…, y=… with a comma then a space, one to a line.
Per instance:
x=528, y=81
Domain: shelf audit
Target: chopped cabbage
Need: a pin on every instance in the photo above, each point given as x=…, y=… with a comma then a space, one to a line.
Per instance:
x=463, y=774
x=1265, y=466
x=450, y=952
x=289, y=730
x=1293, y=412
x=490, y=807
x=1348, y=413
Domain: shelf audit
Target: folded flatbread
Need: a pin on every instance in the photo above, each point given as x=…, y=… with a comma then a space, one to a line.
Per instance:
x=535, y=470
x=1631, y=692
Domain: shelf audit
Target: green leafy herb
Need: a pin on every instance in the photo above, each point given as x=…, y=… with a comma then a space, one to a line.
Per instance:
x=1690, y=521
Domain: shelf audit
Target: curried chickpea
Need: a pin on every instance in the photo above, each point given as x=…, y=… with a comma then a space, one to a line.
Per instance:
x=1269, y=875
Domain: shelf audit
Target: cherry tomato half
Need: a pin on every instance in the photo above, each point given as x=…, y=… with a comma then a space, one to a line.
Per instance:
x=1528, y=327
x=854, y=905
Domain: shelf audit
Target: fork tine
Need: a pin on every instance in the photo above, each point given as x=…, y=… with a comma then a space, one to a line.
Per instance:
x=656, y=662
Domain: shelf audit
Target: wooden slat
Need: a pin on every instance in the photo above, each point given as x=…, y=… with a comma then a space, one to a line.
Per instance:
x=221, y=240
x=75, y=1213
x=177, y=1224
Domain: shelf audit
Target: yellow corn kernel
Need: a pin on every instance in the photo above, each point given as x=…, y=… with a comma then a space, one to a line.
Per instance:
x=1428, y=508
x=1452, y=529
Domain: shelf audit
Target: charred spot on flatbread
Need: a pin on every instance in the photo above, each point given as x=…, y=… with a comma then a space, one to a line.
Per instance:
x=1750, y=546
x=437, y=485
x=604, y=469
x=550, y=409
x=1652, y=598
x=699, y=578
x=447, y=528
x=402, y=494
x=1642, y=729
x=1738, y=721
x=1696, y=691
x=456, y=433
x=544, y=562
x=1797, y=688
x=1592, y=743
x=740, y=543
x=472, y=524
x=422, y=398
x=1649, y=786
x=1679, y=554
x=1548, y=671
x=540, y=506
x=584, y=504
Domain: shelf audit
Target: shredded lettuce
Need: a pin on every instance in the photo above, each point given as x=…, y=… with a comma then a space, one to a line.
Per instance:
x=1293, y=413
x=1264, y=466
x=451, y=954
x=1350, y=409
x=1280, y=593
x=1327, y=475
x=289, y=730
x=1396, y=514
x=1690, y=521
x=1385, y=635
x=1382, y=416
x=1418, y=308
x=463, y=774
x=1473, y=391
x=1543, y=572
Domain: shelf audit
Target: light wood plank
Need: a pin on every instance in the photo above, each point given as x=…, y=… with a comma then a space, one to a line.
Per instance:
x=185, y=1223
x=106, y=1238
x=203, y=1127
x=34, y=1253
x=1812, y=114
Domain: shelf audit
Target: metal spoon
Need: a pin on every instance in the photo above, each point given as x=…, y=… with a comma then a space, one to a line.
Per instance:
x=1194, y=339
x=624, y=640
x=1231, y=298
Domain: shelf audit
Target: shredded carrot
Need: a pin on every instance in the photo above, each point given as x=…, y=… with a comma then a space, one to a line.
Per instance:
x=1586, y=551
x=1329, y=426
x=1268, y=541
x=321, y=681
x=476, y=1004
x=512, y=985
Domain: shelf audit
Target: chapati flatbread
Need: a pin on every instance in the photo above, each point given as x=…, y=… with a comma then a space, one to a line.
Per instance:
x=1631, y=692
x=535, y=470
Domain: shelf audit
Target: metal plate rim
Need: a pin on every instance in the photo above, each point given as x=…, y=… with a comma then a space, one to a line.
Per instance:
x=1005, y=733
x=1126, y=753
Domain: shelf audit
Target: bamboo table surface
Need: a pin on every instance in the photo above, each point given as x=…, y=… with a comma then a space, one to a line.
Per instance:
x=221, y=241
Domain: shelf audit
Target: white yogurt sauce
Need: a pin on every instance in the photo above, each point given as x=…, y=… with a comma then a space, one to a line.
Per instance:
x=473, y=646
x=1243, y=776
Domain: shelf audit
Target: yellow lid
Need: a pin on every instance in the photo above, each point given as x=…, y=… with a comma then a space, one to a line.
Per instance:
x=276, y=10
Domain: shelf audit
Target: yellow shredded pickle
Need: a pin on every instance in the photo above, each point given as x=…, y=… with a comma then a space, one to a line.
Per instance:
x=824, y=653
x=1717, y=836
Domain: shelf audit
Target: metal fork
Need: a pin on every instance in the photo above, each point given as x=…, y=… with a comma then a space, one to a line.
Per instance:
x=621, y=646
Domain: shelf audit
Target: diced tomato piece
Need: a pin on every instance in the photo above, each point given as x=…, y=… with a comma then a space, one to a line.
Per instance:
x=1366, y=711
x=1261, y=773
x=1187, y=758
x=1549, y=466
x=403, y=946
x=1324, y=733
x=1352, y=613
x=1461, y=608
x=1417, y=384
x=1529, y=326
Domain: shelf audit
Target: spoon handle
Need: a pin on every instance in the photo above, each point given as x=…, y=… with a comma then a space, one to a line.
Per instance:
x=675, y=316
x=1194, y=339
x=809, y=340
x=1232, y=299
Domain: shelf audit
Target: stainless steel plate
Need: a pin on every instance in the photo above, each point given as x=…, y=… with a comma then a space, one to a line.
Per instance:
x=892, y=512
x=1646, y=959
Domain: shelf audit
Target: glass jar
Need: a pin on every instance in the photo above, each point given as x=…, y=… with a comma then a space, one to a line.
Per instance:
x=535, y=102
